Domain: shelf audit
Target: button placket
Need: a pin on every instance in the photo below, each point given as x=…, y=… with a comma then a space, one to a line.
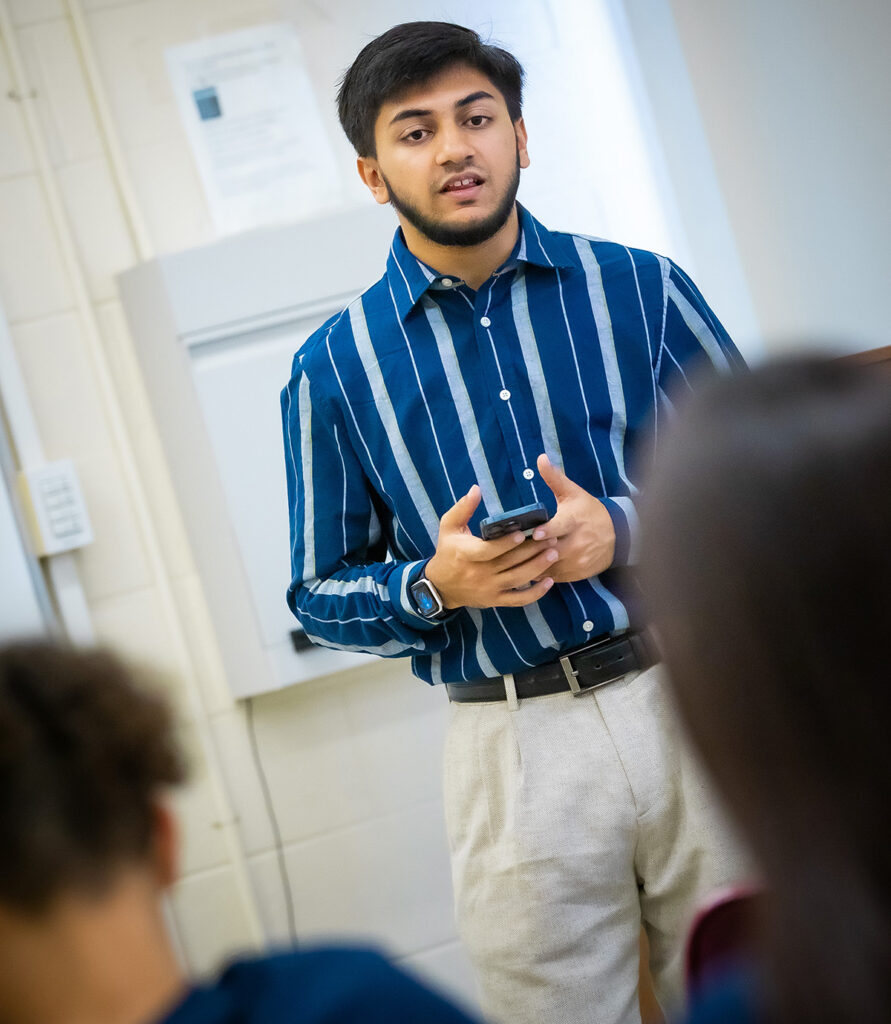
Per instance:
x=516, y=442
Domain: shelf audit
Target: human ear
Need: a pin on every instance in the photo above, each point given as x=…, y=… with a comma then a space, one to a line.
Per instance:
x=165, y=844
x=370, y=173
x=520, y=130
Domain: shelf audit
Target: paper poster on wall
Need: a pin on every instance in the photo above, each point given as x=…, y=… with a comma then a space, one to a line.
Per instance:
x=254, y=126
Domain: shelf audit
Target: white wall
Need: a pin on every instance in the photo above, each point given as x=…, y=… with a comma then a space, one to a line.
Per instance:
x=793, y=99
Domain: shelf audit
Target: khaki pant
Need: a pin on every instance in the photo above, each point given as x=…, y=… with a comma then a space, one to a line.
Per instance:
x=572, y=821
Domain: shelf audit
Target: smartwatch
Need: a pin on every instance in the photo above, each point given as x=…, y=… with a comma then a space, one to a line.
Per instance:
x=427, y=599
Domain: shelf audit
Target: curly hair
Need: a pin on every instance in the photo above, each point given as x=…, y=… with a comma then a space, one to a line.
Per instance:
x=83, y=753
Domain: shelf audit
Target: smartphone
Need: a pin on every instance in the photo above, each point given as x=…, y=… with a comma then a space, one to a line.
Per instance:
x=524, y=519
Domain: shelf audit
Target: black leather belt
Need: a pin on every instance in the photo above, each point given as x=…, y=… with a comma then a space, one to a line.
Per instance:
x=594, y=664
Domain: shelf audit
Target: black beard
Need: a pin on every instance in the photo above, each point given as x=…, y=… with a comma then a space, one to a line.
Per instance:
x=461, y=235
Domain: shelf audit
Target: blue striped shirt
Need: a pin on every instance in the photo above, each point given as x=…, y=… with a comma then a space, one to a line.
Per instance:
x=422, y=387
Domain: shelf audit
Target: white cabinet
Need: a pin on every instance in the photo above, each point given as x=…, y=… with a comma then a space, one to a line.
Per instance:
x=215, y=330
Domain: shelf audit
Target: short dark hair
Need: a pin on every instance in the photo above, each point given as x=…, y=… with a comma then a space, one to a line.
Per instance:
x=409, y=55
x=84, y=752
x=767, y=561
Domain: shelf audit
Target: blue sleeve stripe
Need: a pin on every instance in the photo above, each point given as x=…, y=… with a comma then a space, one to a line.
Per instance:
x=699, y=329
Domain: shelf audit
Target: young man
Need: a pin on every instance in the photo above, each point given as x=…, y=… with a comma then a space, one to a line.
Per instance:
x=496, y=364
x=87, y=848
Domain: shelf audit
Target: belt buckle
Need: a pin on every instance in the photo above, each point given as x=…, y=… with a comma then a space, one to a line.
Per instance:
x=572, y=673
x=572, y=677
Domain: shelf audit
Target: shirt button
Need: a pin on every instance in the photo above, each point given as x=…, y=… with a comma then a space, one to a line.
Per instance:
x=528, y=474
x=587, y=625
x=485, y=321
x=504, y=395
x=448, y=282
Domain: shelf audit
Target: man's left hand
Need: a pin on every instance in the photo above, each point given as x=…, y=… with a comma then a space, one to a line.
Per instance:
x=582, y=527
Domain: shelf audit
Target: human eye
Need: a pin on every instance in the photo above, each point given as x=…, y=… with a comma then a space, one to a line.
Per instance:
x=415, y=135
x=478, y=120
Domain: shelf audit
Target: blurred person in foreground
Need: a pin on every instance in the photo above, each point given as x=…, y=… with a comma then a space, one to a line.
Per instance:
x=87, y=848
x=768, y=563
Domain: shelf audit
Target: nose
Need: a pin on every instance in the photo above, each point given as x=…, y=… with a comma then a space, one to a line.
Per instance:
x=453, y=146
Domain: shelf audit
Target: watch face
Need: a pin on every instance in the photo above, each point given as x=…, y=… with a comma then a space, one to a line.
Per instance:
x=425, y=600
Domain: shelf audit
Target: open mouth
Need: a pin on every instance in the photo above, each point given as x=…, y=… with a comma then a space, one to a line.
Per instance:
x=462, y=183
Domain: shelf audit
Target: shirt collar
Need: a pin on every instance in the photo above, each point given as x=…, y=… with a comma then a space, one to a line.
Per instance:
x=542, y=247
x=409, y=278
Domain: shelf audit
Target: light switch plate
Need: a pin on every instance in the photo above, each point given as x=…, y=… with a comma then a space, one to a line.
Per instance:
x=56, y=510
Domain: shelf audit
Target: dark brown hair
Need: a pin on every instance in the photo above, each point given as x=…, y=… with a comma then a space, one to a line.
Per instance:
x=83, y=754
x=767, y=530
x=409, y=55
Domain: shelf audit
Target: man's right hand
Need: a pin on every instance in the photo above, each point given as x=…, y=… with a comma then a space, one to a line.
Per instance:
x=474, y=573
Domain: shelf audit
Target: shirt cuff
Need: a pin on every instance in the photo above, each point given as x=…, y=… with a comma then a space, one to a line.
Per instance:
x=627, y=528
x=403, y=604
